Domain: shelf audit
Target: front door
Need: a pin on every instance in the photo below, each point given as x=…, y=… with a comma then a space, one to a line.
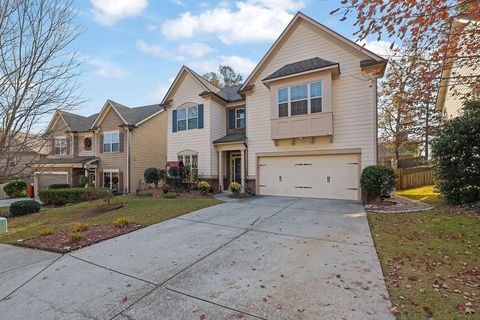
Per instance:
x=236, y=172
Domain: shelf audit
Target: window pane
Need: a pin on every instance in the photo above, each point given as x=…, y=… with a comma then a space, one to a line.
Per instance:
x=115, y=181
x=107, y=138
x=240, y=113
x=316, y=89
x=316, y=105
x=181, y=114
x=180, y=158
x=298, y=92
x=106, y=180
x=187, y=160
x=192, y=112
x=106, y=147
x=194, y=161
x=282, y=95
x=299, y=107
x=240, y=123
x=115, y=147
x=116, y=137
x=182, y=125
x=283, y=110
x=192, y=123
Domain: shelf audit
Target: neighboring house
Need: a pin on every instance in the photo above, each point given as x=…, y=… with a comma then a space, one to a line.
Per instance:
x=304, y=123
x=456, y=83
x=112, y=148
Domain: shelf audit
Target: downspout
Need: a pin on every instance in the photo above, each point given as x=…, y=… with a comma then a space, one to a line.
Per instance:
x=128, y=160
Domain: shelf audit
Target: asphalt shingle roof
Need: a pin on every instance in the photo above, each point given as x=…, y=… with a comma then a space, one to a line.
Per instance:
x=300, y=66
x=77, y=122
x=78, y=159
x=237, y=137
x=227, y=93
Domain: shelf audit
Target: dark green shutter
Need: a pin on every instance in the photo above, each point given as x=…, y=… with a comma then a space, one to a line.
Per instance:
x=231, y=118
x=200, y=116
x=174, y=121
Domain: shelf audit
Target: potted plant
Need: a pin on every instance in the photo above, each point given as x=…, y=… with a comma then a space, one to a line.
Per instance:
x=235, y=188
x=204, y=187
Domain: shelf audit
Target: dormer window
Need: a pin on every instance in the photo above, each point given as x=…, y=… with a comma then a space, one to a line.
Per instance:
x=60, y=146
x=300, y=99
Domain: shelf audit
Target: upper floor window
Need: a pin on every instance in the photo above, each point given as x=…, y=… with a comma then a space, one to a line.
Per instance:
x=300, y=99
x=187, y=118
x=60, y=146
x=111, y=142
x=240, y=118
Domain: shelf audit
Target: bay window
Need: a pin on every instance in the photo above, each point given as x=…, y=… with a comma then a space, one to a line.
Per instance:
x=300, y=99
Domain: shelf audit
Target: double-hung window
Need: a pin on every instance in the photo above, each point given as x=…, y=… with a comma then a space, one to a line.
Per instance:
x=187, y=118
x=240, y=118
x=300, y=99
x=111, y=142
x=190, y=161
x=60, y=146
x=111, y=180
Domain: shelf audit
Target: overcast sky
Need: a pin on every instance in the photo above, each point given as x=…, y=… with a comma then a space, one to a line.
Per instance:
x=135, y=48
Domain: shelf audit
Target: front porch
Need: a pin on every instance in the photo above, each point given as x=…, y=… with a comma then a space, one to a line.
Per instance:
x=231, y=151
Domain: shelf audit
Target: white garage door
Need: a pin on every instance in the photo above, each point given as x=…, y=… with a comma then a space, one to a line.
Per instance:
x=46, y=179
x=326, y=176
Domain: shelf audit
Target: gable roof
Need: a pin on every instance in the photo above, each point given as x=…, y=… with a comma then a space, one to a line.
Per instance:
x=228, y=94
x=76, y=122
x=301, y=66
x=130, y=116
x=301, y=16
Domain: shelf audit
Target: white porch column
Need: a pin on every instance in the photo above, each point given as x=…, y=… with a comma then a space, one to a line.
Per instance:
x=242, y=169
x=220, y=170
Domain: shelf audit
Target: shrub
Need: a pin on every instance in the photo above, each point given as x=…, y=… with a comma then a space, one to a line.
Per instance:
x=15, y=189
x=152, y=175
x=144, y=194
x=76, y=236
x=72, y=195
x=120, y=222
x=59, y=186
x=234, y=186
x=204, y=186
x=170, y=195
x=378, y=181
x=455, y=151
x=83, y=180
x=46, y=232
x=20, y=208
x=80, y=227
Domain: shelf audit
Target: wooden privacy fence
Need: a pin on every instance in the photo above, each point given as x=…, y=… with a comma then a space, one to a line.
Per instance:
x=408, y=178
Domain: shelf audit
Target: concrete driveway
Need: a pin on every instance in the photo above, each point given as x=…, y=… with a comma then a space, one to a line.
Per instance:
x=254, y=258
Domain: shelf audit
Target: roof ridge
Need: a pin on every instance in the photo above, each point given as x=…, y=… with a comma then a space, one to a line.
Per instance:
x=202, y=77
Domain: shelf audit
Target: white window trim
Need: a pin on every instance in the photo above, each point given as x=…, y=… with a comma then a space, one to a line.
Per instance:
x=183, y=154
x=110, y=171
x=55, y=147
x=111, y=143
x=236, y=118
x=186, y=117
x=309, y=98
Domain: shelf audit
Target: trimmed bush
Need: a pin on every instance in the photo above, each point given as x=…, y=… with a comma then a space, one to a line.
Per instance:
x=71, y=195
x=59, y=186
x=15, y=189
x=378, y=181
x=234, y=187
x=24, y=207
x=204, y=186
x=455, y=151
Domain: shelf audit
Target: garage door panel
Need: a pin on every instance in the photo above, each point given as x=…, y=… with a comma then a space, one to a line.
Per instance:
x=332, y=176
x=46, y=179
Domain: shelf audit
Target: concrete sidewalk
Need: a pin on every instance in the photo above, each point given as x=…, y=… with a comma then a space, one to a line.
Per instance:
x=253, y=258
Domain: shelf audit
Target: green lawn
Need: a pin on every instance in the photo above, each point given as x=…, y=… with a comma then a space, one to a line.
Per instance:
x=430, y=259
x=145, y=211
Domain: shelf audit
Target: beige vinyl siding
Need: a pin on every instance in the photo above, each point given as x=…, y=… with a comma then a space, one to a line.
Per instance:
x=353, y=98
x=117, y=160
x=218, y=130
x=148, y=147
x=198, y=140
x=455, y=97
x=80, y=145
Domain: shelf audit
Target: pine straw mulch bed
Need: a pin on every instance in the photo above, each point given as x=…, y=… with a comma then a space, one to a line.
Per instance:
x=60, y=241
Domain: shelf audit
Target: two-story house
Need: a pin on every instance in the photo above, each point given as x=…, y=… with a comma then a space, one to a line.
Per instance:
x=304, y=123
x=112, y=148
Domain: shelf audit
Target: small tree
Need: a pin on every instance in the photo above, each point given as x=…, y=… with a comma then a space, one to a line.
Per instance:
x=456, y=154
x=152, y=175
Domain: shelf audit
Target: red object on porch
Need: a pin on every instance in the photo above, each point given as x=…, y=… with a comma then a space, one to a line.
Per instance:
x=31, y=191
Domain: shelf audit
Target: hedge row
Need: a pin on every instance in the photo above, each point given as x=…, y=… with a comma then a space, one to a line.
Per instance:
x=20, y=208
x=71, y=195
x=59, y=186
